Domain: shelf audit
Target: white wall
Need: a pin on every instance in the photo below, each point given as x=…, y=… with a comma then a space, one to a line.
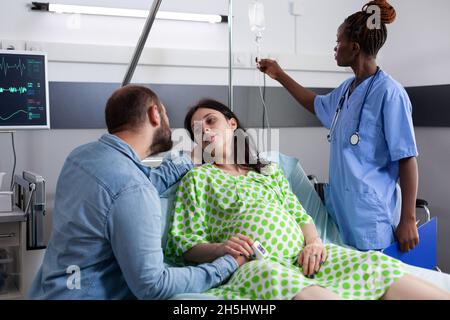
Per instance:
x=416, y=54
x=418, y=47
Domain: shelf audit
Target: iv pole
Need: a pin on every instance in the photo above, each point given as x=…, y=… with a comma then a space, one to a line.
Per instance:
x=141, y=43
x=230, y=58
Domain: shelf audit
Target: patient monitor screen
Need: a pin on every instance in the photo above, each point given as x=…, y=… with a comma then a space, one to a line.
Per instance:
x=23, y=91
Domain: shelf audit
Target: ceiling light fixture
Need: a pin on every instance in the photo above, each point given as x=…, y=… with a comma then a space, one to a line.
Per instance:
x=121, y=12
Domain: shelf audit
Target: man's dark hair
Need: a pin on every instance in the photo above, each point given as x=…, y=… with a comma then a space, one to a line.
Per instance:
x=127, y=108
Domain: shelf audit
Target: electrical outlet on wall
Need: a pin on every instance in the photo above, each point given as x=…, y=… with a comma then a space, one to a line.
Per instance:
x=34, y=46
x=13, y=45
x=264, y=55
x=241, y=59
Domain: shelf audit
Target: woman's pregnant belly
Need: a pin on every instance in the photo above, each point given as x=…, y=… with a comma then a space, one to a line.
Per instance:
x=268, y=223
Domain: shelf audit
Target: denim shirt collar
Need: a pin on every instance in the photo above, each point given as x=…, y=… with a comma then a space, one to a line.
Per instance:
x=124, y=148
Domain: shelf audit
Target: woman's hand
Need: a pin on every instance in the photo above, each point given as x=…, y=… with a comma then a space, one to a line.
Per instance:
x=270, y=67
x=238, y=246
x=312, y=256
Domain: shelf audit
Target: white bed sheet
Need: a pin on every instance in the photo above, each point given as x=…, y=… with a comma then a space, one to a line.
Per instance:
x=440, y=279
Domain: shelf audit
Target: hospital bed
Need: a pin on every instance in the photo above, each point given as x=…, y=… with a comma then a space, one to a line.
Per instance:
x=311, y=201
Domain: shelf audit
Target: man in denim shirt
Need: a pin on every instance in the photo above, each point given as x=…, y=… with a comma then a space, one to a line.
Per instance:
x=106, y=239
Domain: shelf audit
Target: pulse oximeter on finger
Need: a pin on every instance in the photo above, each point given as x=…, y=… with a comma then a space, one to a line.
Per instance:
x=259, y=251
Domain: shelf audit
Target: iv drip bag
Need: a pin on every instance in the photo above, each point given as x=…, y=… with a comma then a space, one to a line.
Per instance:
x=256, y=18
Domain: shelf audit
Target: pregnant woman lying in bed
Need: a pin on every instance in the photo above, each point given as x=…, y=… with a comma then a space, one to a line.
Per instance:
x=223, y=206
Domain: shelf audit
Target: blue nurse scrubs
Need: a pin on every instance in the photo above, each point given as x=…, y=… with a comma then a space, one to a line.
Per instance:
x=362, y=195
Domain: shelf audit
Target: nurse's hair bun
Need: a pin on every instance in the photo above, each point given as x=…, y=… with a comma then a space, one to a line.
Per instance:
x=388, y=13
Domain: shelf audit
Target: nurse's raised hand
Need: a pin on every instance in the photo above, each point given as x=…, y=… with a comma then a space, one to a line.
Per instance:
x=407, y=234
x=270, y=67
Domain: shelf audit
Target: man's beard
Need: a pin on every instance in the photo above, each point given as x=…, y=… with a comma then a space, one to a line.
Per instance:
x=162, y=140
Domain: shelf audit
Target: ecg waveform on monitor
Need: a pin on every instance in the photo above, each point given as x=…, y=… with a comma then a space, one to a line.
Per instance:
x=12, y=115
x=23, y=91
x=5, y=67
x=20, y=90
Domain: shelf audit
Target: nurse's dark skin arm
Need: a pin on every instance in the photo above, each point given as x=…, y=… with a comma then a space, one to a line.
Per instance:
x=406, y=233
x=304, y=96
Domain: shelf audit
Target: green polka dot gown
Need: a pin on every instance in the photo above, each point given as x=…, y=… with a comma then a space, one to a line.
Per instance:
x=211, y=206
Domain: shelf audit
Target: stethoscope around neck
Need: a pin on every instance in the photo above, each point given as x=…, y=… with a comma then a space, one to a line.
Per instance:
x=354, y=138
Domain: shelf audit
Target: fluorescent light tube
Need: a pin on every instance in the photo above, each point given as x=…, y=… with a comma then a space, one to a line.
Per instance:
x=164, y=15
